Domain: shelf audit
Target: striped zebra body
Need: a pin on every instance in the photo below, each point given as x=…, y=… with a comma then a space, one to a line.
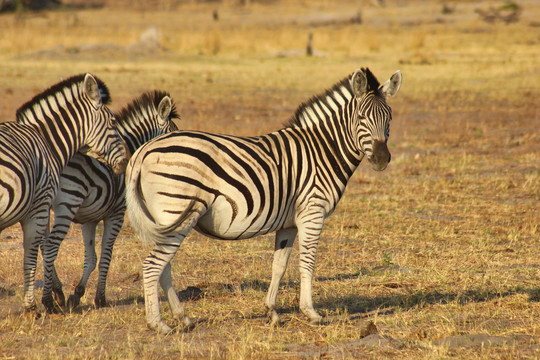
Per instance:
x=19, y=191
x=230, y=187
x=91, y=192
x=49, y=130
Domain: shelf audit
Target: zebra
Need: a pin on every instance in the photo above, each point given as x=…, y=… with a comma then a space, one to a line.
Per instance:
x=230, y=187
x=69, y=116
x=90, y=192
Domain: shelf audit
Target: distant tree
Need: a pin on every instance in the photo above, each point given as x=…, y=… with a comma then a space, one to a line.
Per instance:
x=7, y=5
x=34, y=5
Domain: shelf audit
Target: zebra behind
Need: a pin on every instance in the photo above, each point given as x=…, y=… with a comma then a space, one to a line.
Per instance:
x=91, y=192
x=70, y=116
x=230, y=187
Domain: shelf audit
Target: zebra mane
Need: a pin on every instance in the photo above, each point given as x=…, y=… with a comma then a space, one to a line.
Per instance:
x=58, y=88
x=148, y=99
x=372, y=86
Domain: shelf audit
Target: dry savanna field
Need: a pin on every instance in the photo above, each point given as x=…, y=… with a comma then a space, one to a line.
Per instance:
x=437, y=257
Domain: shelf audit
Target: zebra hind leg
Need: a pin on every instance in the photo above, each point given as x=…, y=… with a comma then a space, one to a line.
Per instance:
x=111, y=229
x=90, y=260
x=176, y=306
x=58, y=293
x=75, y=299
x=283, y=246
x=57, y=287
x=153, y=267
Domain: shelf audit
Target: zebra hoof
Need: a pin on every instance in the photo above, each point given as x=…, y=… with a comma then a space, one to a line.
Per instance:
x=59, y=298
x=187, y=323
x=316, y=320
x=273, y=318
x=32, y=311
x=73, y=301
x=100, y=302
x=50, y=306
x=161, y=328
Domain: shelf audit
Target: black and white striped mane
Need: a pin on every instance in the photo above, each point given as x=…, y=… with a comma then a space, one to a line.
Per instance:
x=59, y=88
x=146, y=100
x=372, y=86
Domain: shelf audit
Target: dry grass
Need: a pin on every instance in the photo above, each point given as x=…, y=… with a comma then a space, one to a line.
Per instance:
x=441, y=251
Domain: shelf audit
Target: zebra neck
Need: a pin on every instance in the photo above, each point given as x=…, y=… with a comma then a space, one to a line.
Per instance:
x=134, y=127
x=132, y=139
x=329, y=122
x=49, y=121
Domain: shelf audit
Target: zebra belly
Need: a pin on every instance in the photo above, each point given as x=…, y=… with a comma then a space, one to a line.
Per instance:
x=208, y=225
x=220, y=222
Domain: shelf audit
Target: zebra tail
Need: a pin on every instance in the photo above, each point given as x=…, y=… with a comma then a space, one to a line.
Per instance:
x=142, y=221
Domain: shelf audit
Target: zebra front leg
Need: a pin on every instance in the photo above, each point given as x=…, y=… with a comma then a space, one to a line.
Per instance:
x=111, y=229
x=64, y=213
x=282, y=250
x=176, y=306
x=308, y=238
x=90, y=260
x=34, y=232
x=153, y=267
x=52, y=289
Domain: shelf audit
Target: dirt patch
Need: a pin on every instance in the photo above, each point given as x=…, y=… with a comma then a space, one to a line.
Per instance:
x=482, y=340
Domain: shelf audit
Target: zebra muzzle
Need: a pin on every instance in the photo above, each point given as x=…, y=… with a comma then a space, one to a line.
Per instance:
x=381, y=156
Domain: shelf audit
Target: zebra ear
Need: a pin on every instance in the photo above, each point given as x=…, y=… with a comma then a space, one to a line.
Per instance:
x=391, y=86
x=164, y=108
x=359, y=82
x=91, y=89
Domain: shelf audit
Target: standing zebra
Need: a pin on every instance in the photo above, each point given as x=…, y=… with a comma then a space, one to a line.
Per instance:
x=230, y=187
x=52, y=127
x=91, y=192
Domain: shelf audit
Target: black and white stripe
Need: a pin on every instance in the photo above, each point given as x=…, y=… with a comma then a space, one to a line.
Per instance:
x=50, y=129
x=231, y=187
x=91, y=192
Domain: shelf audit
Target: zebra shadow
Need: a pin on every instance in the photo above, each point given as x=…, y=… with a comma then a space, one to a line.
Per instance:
x=127, y=301
x=362, y=307
x=214, y=289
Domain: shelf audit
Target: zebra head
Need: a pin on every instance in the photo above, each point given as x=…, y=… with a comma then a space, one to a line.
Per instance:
x=374, y=114
x=103, y=141
x=146, y=117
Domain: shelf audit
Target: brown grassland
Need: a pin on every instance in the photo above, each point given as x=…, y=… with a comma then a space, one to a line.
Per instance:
x=437, y=257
